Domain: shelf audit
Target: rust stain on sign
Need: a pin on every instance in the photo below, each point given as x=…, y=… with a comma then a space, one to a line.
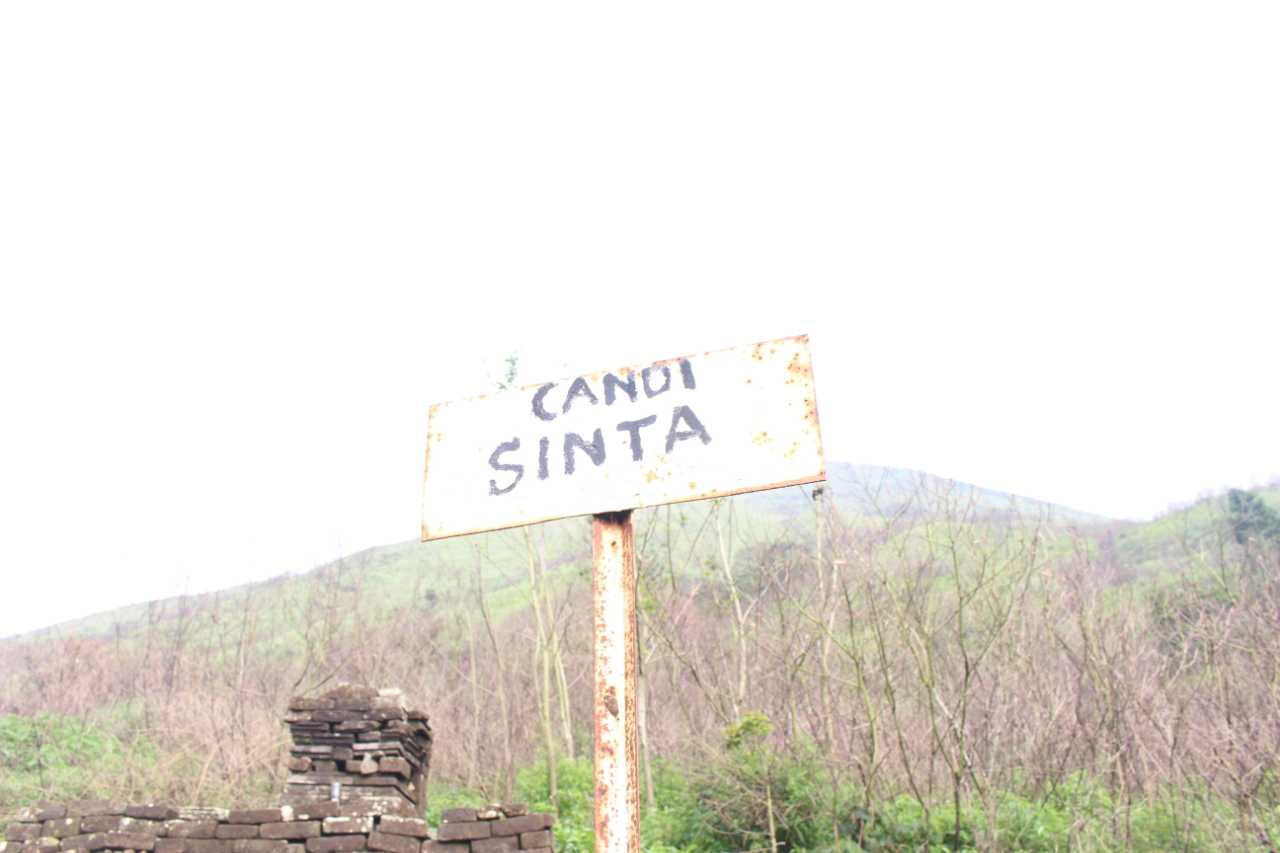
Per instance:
x=679, y=429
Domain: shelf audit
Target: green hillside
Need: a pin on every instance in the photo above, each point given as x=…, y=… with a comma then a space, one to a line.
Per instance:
x=907, y=663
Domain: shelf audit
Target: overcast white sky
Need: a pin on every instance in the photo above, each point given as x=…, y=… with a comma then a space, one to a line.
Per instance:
x=243, y=246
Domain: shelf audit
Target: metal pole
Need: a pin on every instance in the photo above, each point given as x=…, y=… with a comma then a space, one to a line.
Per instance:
x=617, y=762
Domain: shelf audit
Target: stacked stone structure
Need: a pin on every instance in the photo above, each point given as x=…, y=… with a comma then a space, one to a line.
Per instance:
x=362, y=745
x=494, y=829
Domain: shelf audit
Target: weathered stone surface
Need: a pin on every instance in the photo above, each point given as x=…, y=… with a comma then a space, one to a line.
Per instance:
x=259, y=845
x=101, y=823
x=88, y=808
x=255, y=816
x=22, y=831
x=76, y=842
x=44, y=844
x=457, y=815
x=190, y=828
x=337, y=844
x=298, y=764
x=27, y=815
x=121, y=841
x=500, y=844
x=465, y=831
x=335, y=716
x=202, y=813
x=170, y=845
x=290, y=829
x=383, y=715
x=348, y=825
x=391, y=764
x=393, y=843
x=357, y=726
x=515, y=809
x=377, y=801
x=236, y=830
x=303, y=703
x=413, y=826
x=342, y=753
x=517, y=825
x=206, y=845
x=493, y=811
x=151, y=812
x=540, y=850
x=51, y=813
x=314, y=811
x=433, y=846
x=541, y=838
x=296, y=848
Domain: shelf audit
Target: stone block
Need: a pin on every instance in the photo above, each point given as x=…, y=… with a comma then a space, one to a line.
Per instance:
x=76, y=842
x=457, y=815
x=342, y=753
x=315, y=811
x=398, y=766
x=101, y=823
x=348, y=825
x=259, y=845
x=44, y=844
x=298, y=764
x=465, y=831
x=22, y=831
x=255, y=816
x=335, y=716
x=539, y=850
x=518, y=825
x=291, y=829
x=337, y=844
x=170, y=845
x=51, y=813
x=236, y=831
x=27, y=815
x=433, y=846
x=89, y=808
x=385, y=715
x=206, y=845
x=202, y=813
x=190, y=828
x=151, y=812
x=121, y=841
x=498, y=844
x=515, y=809
x=541, y=838
x=393, y=843
x=413, y=826
x=490, y=812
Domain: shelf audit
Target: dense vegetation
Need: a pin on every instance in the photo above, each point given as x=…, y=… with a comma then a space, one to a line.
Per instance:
x=902, y=663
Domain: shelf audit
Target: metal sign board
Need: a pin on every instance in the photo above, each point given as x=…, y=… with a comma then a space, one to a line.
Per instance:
x=684, y=429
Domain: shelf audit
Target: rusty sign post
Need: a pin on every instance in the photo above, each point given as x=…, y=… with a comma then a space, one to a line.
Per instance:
x=718, y=424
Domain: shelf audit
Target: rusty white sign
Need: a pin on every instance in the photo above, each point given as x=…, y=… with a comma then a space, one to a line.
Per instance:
x=705, y=426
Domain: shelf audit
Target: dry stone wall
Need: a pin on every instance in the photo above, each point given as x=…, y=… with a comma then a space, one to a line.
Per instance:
x=111, y=825
x=494, y=829
x=114, y=825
